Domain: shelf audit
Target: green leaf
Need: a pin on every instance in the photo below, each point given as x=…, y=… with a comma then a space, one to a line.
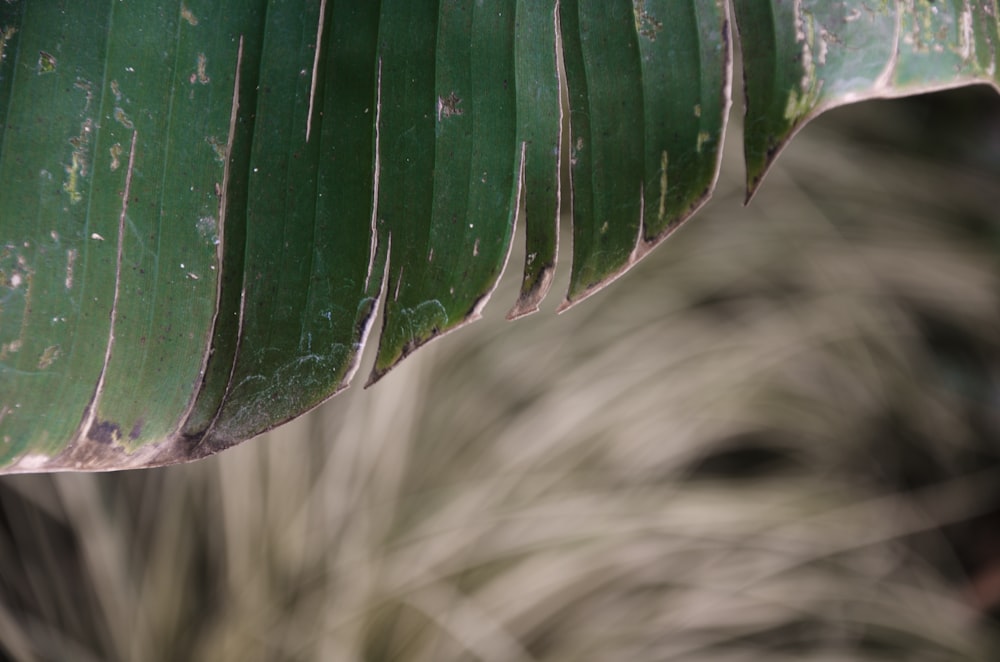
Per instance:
x=649, y=94
x=448, y=159
x=203, y=205
x=806, y=57
x=114, y=145
x=300, y=193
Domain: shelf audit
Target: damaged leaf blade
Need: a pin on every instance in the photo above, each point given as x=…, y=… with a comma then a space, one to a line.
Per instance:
x=308, y=287
x=203, y=205
x=806, y=57
x=447, y=196
x=649, y=97
x=539, y=133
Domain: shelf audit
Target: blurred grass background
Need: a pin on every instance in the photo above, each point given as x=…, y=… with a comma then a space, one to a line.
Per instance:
x=777, y=439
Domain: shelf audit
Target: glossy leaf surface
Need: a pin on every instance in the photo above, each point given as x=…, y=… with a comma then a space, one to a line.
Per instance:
x=203, y=205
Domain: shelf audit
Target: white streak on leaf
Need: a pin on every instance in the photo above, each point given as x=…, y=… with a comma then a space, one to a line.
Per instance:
x=376, y=177
x=90, y=415
x=312, y=86
x=664, y=161
x=70, y=265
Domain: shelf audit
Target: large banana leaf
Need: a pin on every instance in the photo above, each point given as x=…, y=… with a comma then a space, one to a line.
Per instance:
x=204, y=204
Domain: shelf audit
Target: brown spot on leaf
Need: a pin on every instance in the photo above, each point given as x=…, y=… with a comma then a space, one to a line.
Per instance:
x=48, y=357
x=448, y=106
x=46, y=63
x=188, y=16
x=104, y=432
